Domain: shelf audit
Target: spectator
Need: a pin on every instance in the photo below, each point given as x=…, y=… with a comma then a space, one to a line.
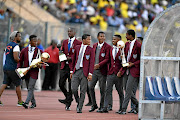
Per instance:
x=51, y=70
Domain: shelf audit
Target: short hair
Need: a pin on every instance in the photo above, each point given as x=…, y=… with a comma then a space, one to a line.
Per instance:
x=31, y=37
x=85, y=36
x=72, y=28
x=119, y=36
x=141, y=38
x=100, y=33
x=131, y=32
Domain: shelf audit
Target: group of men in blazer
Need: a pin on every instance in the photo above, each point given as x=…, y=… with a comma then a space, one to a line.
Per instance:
x=86, y=65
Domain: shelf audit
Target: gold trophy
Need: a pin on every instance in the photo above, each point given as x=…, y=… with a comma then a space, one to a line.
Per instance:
x=36, y=62
x=121, y=45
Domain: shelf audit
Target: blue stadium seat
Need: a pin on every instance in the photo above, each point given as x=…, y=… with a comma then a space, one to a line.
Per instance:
x=151, y=91
x=160, y=90
x=176, y=87
x=169, y=89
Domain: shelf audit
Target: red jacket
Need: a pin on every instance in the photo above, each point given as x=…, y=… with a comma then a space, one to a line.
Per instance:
x=135, y=58
x=115, y=65
x=88, y=60
x=24, y=62
x=103, y=57
x=54, y=54
x=64, y=48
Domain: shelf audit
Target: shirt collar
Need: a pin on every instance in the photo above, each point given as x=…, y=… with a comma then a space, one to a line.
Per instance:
x=132, y=41
x=114, y=46
x=84, y=45
x=100, y=45
x=33, y=48
x=72, y=39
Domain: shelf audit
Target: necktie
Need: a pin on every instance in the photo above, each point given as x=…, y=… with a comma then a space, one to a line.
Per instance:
x=115, y=53
x=31, y=49
x=79, y=58
x=69, y=45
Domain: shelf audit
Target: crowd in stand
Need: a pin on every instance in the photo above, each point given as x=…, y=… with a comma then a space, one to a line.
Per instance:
x=123, y=14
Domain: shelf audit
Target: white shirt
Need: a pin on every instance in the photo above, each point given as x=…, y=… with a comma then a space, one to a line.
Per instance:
x=100, y=45
x=113, y=51
x=130, y=49
x=72, y=40
x=30, y=53
x=16, y=48
x=81, y=62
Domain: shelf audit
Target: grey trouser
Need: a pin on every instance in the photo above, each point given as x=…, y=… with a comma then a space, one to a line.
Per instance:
x=111, y=80
x=129, y=82
x=78, y=78
x=102, y=84
x=30, y=83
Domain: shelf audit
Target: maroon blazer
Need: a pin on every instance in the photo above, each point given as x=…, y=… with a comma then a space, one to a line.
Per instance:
x=103, y=57
x=64, y=48
x=88, y=60
x=115, y=65
x=24, y=62
x=135, y=58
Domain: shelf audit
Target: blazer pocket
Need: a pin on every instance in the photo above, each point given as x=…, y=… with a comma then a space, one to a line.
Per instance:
x=87, y=57
x=103, y=54
x=134, y=56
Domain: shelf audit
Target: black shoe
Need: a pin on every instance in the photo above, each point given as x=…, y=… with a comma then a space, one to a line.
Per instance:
x=109, y=108
x=131, y=111
x=79, y=110
x=68, y=106
x=33, y=106
x=118, y=111
x=100, y=110
x=89, y=104
x=104, y=110
x=93, y=108
x=123, y=112
x=135, y=111
x=25, y=105
x=62, y=101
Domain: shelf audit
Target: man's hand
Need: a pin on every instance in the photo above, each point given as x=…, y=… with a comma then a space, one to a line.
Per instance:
x=119, y=74
x=130, y=64
x=89, y=77
x=96, y=66
x=70, y=75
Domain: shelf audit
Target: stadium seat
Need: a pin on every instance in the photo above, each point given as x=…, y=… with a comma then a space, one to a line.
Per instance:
x=160, y=90
x=151, y=92
x=176, y=86
x=169, y=89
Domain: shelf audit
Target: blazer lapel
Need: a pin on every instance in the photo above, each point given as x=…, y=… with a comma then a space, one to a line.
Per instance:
x=27, y=55
x=133, y=49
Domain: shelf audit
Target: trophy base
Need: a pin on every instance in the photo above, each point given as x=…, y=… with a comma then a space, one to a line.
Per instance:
x=125, y=64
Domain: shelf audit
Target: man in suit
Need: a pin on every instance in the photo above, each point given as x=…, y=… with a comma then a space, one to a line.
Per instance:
x=140, y=40
x=101, y=51
x=112, y=78
x=82, y=69
x=10, y=64
x=68, y=48
x=131, y=73
x=26, y=56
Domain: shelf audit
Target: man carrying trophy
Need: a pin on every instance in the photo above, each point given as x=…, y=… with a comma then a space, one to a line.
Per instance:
x=131, y=72
x=29, y=60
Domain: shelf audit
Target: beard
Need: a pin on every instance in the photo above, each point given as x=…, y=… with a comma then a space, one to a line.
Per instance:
x=18, y=41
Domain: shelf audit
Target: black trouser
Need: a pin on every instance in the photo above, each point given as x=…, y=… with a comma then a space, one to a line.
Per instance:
x=64, y=75
x=50, y=76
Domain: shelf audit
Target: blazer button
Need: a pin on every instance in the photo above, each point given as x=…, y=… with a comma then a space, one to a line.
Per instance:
x=113, y=65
